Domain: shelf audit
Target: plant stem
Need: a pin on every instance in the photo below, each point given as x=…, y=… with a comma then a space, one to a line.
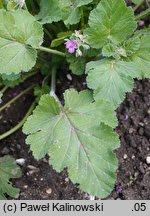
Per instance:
x=56, y=52
x=18, y=126
x=143, y=14
x=53, y=82
x=16, y=98
x=4, y=89
x=138, y=5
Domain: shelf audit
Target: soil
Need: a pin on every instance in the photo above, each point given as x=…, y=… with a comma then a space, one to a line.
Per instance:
x=40, y=181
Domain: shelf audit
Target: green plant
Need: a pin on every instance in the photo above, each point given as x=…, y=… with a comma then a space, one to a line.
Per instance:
x=8, y=170
x=98, y=38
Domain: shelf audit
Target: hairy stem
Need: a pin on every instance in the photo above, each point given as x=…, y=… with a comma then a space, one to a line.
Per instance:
x=16, y=98
x=18, y=126
x=138, y=5
x=56, y=52
x=143, y=14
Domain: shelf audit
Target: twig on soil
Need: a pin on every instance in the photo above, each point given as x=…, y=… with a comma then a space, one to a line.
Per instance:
x=18, y=126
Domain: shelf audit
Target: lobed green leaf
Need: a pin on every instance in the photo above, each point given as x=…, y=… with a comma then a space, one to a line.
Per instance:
x=111, y=79
x=77, y=136
x=20, y=35
x=8, y=170
x=70, y=10
x=110, y=21
x=142, y=56
x=49, y=11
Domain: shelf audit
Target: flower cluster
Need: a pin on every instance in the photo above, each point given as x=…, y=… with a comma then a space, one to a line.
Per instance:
x=77, y=44
x=20, y=3
x=13, y=4
x=71, y=45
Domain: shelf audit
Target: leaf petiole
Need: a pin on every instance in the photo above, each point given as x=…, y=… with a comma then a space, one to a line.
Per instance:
x=56, y=52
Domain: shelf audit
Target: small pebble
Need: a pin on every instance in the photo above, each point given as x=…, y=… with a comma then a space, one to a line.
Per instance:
x=20, y=161
x=66, y=179
x=141, y=169
x=125, y=156
x=69, y=77
x=141, y=23
x=31, y=172
x=32, y=167
x=148, y=111
x=18, y=147
x=49, y=191
x=141, y=131
x=5, y=151
x=148, y=159
x=136, y=174
x=91, y=197
x=25, y=186
x=131, y=130
x=141, y=124
x=133, y=156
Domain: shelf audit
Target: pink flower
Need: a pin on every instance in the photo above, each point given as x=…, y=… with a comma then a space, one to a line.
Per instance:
x=71, y=45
